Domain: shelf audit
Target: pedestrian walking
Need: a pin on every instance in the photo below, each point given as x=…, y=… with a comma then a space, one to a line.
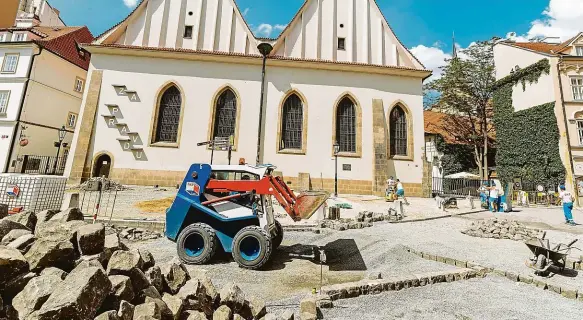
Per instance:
x=401, y=191
x=567, y=199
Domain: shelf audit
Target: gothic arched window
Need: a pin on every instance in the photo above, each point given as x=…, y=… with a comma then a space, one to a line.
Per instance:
x=225, y=115
x=168, y=118
x=398, y=131
x=346, y=125
x=292, y=123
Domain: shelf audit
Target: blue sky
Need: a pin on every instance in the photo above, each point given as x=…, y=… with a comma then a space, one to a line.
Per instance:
x=425, y=26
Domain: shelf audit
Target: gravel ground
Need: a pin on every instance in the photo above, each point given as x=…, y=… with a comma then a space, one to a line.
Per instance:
x=488, y=298
x=292, y=271
x=353, y=254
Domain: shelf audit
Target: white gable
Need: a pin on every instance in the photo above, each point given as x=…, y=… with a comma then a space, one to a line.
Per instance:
x=315, y=31
x=217, y=25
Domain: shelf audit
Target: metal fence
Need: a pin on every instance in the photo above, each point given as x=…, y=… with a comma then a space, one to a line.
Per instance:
x=97, y=198
x=524, y=193
x=34, y=193
x=456, y=187
x=47, y=165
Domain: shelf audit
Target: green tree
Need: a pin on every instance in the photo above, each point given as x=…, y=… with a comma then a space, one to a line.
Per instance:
x=465, y=94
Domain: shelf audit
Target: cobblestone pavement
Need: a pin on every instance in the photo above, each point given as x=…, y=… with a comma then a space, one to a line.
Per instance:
x=487, y=298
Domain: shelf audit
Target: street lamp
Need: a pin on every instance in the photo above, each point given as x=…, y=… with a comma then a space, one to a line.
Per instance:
x=336, y=151
x=265, y=49
x=58, y=144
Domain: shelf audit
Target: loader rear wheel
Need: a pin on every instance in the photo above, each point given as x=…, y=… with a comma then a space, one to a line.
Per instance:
x=197, y=244
x=278, y=238
x=252, y=247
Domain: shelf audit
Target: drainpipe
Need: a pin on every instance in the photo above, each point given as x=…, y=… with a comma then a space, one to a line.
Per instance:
x=21, y=106
x=573, y=182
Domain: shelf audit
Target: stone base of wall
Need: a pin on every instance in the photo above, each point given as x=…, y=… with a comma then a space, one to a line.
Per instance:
x=172, y=178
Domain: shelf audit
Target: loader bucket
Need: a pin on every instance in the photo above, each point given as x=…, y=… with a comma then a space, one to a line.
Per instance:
x=309, y=201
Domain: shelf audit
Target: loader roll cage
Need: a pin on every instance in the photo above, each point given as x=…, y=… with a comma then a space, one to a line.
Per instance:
x=267, y=185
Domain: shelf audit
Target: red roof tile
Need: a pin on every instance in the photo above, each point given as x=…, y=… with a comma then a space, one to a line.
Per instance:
x=62, y=41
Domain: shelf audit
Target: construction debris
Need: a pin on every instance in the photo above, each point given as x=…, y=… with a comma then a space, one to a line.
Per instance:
x=78, y=273
x=365, y=219
x=106, y=185
x=135, y=234
x=501, y=229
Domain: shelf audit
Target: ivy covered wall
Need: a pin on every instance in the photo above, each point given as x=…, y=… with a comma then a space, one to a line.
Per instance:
x=527, y=140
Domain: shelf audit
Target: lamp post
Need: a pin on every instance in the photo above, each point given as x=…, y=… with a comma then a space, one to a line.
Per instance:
x=62, y=133
x=336, y=151
x=265, y=49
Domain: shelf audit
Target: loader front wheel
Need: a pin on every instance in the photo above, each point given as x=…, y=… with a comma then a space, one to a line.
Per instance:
x=278, y=238
x=252, y=247
x=197, y=244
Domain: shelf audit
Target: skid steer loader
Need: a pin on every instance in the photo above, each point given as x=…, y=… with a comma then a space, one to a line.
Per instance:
x=231, y=206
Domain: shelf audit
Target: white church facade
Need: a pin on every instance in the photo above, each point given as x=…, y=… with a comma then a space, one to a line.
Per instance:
x=178, y=72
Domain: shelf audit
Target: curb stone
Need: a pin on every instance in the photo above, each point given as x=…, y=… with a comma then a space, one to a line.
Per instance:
x=481, y=271
x=371, y=287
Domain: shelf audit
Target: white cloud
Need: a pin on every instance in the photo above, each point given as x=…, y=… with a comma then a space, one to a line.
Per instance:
x=245, y=11
x=130, y=3
x=432, y=58
x=562, y=19
x=265, y=29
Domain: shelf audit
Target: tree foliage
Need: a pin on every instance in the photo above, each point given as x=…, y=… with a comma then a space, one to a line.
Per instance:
x=466, y=89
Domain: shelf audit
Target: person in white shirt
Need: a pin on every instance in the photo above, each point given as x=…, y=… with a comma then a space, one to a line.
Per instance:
x=401, y=191
x=494, y=197
x=567, y=199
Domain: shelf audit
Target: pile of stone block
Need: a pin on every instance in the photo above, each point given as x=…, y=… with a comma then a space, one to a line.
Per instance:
x=135, y=234
x=55, y=266
x=365, y=219
x=497, y=228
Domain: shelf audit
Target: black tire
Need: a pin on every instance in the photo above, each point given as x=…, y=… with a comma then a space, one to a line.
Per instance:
x=541, y=262
x=197, y=244
x=278, y=238
x=252, y=247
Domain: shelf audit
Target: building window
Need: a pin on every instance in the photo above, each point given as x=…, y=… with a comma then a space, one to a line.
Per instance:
x=580, y=131
x=79, y=83
x=346, y=125
x=10, y=63
x=398, y=131
x=579, y=51
x=71, y=120
x=225, y=115
x=292, y=123
x=577, y=87
x=4, y=98
x=341, y=43
x=168, y=116
x=2, y=37
x=19, y=37
x=188, y=32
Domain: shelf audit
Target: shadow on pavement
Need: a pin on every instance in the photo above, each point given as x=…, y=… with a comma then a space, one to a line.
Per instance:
x=341, y=255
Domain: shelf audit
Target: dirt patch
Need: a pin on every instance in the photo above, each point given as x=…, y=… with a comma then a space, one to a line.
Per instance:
x=155, y=206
